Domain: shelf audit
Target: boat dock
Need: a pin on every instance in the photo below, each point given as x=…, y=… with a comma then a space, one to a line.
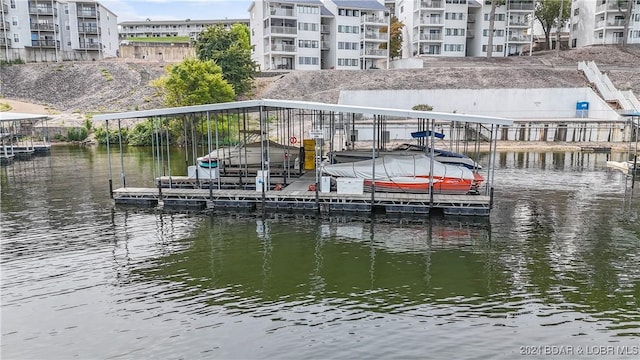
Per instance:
x=317, y=128
x=294, y=197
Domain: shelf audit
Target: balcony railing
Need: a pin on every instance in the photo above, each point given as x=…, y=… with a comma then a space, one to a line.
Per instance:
x=5, y=8
x=374, y=36
x=89, y=45
x=325, y=29
x=518, y=23
x=433, y=4
x=43, y=27
x=45, y=43
x=5, y=42
x=4, y=25
x=41, y=10
x=88, y=29
x=374, y=19
x=373, y=52
x=274, y=11
x=430, y=37
x=610, y=23
x=520, y=6
x=283, y=48
x=431, y=21
x=288, y=30
x=325, y=45
x=521, y=38
x=87, y=13
x=611, y=5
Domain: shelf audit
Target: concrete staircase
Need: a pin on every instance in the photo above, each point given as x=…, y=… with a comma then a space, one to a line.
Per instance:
x=624, y=101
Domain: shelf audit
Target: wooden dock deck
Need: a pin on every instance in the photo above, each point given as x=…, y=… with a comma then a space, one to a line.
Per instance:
x=296, y=197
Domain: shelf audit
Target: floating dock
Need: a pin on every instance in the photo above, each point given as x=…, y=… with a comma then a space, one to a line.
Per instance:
x=294, y=197
x=321, y=128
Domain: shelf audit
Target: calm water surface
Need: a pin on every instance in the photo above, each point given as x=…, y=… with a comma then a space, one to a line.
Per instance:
x=556, y=269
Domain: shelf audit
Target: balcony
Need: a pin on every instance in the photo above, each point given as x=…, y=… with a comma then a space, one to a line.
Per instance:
x=611, y=23
x=45, y=43
x=523, y=6
x=4, y=25
x=433, y=4
x=5, y=8
x=430, y=37
x=325, y=29
x=283, y=30
x=519, y=38
x=611, y=6
x=471, y=34
x=88, y=29
x=278, y=11
x=373, y=52
x=515, y=23
x=283, y=48
x=325, y=45
x=42, y=10
x=431, y=21
x=43, y=27
x=5, y=42
x=374, y=19
x=90, y=12
x=84, y=45
x=374, y=36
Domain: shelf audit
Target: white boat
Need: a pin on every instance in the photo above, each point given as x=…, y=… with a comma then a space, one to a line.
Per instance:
x=443, y=156
x=409, y=173
x=250, y=154
x=626, y=167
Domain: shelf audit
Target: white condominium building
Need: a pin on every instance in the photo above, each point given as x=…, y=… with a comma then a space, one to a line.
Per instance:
x=459, y=28
x=56, y=30
x=602, y=22
x=171, y=28
x=314, y=34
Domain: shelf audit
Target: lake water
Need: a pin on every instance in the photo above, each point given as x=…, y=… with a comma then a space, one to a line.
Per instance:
x=555, y=270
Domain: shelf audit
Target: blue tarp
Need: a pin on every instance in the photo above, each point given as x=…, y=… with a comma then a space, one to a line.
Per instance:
x=421, y=134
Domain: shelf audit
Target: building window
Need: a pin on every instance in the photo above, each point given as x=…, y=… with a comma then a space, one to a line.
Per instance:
x=454, y=32
x=496, y=48
x=497, y=17
x=16, y=38
x=307, y=60
x=13, y=4
x=14, y=20
x=575, y=12
x=496, y=32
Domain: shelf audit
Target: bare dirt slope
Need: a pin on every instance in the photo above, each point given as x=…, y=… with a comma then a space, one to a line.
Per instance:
x=72, y=89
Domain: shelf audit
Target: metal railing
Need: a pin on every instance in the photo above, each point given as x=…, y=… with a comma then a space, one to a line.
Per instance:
x=283, y=48
x=44, y=27
x=45, y=43
x=88, y=29
x=431, y=21
x=374, y=36
x=5, y=41
x=4, y=25
x=288, y=30
x=430, y=37
x=276, y=11
x=373, y=52
x=374, y=19
x=41, y=10
x=90, y=46
x=433, y=4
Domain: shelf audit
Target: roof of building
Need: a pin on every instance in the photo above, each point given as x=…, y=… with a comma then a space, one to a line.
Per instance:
x=309, y=2
x=14, y=116
x=186, y=21
x=325, y=12
x=256, y=105
x=360, y=4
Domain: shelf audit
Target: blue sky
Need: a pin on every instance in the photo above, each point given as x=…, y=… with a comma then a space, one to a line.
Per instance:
x=128, y=10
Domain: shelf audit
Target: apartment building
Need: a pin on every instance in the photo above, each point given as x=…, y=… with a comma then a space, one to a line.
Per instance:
x=458, y=28
x=602, y=22
x=171, y=28
x=314, y=34
x=56, y=30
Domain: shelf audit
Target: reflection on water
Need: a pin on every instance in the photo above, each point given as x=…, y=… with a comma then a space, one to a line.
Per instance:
x=556, y=264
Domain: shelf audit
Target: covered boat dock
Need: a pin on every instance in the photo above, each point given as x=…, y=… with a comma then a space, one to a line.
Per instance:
x=317, y=129
x=17, y=134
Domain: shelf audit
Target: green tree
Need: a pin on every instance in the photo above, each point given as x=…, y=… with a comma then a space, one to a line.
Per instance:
x=422, y=107
x=395, y=39
x=547, y=11
x=194, y=82
x=231, y=49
